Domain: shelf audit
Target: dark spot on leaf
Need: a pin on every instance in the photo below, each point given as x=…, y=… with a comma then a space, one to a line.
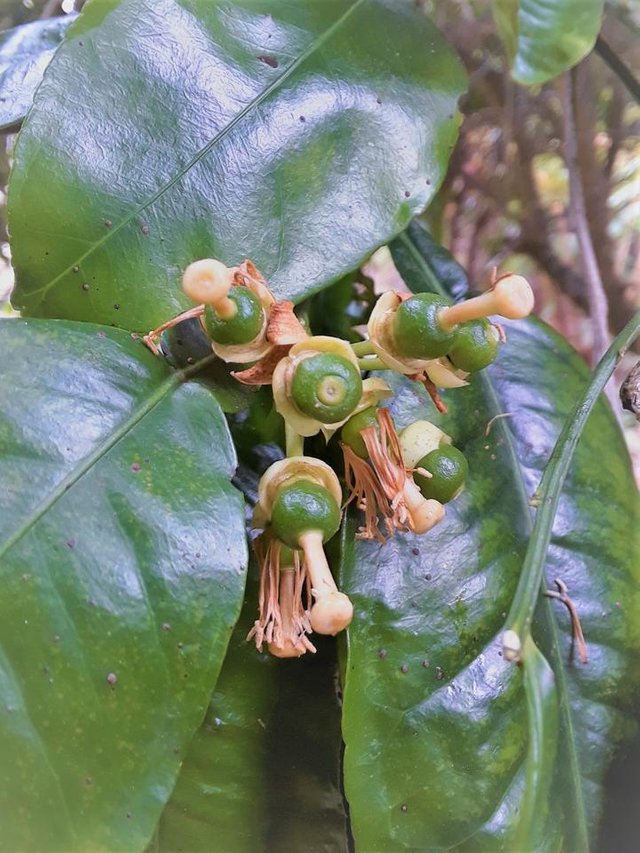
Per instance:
x=415, y=551
x=382, y=654
x=404, y=668
x=428, y=182
x=180, y=646
x=302, y=118
x=80, y=44
x=128, y=815
x=428, y=576
x=70, y=543
x=407, y=193
x=378, y=100
x=135, y=467
x=197, y=555
x=271, y=61
x=117, y=306
x=112, y=678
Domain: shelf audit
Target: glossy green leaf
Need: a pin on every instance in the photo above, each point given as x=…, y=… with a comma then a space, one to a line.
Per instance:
x=221, y=796
x=546, y=37
x=25, y=52
x=122, y=557
x=436, y=724
x=263, y=771
x=252, y=128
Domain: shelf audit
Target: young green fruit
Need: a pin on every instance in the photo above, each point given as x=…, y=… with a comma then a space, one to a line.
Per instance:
x=448, y=468
x=475, y=347
x=326, y=387
x=304, y=506
x=417, y=330
x=244, y=326
x=352, y=431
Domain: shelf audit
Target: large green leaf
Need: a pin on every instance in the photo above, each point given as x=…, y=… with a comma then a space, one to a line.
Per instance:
x=262, y=774
x=546, y=37
x=122, y=559
x=443, y=737
x=222, y=794
x=301, y=135
x=25, y=52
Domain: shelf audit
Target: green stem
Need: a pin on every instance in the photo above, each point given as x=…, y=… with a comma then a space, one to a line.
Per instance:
x=294, y=443
x=363, y=348
x=518, y=622
x=372, y=364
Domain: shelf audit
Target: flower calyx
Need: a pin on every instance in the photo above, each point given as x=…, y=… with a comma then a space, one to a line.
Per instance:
x=317, y=385
x=299, y=501
x=237, y=304
x=381, y=330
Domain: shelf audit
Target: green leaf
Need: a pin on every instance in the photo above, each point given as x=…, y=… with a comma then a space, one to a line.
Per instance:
x=122, y=572
x=301, y=135
x=25, y=52
x=438, y=727
x=546, y=37
x=263, y=771
x=221, y=795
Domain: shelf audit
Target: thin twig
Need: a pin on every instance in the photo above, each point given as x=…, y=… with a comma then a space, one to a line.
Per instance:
x=518, y=622
x=618, y=67
x=598, y=306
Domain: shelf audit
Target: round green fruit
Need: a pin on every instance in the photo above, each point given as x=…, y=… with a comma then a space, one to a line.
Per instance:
x=475, y=347
x=301, y=507
x=448, y=468
x=352, y=431
x=417, y=332
x=244, y=326
x=326, y=387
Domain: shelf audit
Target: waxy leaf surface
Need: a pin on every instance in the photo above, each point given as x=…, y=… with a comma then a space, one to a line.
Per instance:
x=436, y=722
x=180, y=129
x=263, y=772
x=122, y=569
x=25, y=52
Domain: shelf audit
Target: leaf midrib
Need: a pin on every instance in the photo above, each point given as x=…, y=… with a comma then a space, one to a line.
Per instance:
x=88, y=462
x=558, y=665
x=315, y=45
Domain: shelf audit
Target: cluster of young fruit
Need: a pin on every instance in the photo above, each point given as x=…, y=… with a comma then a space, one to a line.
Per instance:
x=400, y=481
